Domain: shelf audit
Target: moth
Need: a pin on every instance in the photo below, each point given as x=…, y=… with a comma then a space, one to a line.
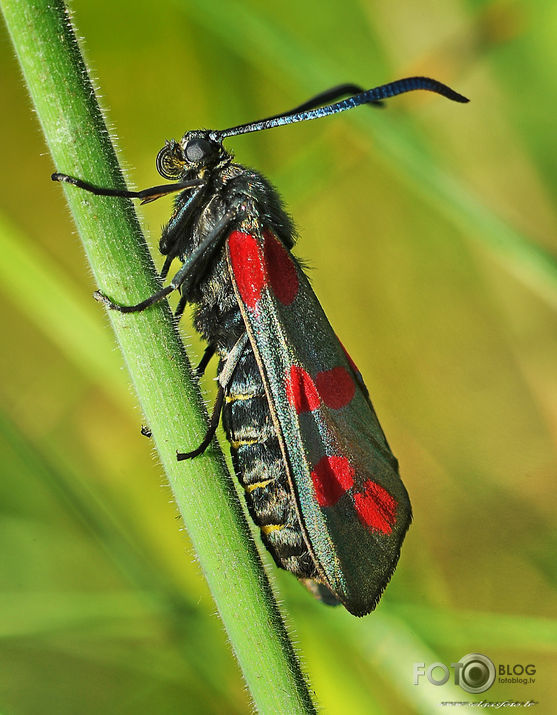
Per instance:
x=320, y=479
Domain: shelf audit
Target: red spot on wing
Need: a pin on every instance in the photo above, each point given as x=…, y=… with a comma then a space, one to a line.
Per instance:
x=280, y=269
x=332, y=476
x=336, y=387
x=247, y=266
x=376, y=507
x=301, y=391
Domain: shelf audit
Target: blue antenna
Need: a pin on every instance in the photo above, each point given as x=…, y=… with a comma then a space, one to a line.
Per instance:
x=371, y=96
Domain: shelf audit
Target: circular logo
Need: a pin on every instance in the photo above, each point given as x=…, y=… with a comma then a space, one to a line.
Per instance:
x=477, y=673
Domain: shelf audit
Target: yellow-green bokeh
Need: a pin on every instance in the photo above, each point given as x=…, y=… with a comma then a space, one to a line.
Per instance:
x=421, y=224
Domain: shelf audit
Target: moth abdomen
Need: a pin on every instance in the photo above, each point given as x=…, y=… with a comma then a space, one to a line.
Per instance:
x=259, y=466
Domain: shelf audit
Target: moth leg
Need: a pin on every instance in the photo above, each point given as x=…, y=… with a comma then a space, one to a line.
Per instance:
x=207, y=355
x=180, y=307
x=146, y=195
x=194, y=265
x=166, y=267
x=213, y=424
x=232, y=360
x=224, y=378
x=138, y=307
x=184, y=277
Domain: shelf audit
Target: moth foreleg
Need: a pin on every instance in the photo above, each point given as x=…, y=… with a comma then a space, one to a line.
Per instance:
x=146, y=195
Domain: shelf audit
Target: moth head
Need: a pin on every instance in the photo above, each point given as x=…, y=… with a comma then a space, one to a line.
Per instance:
x=193, y=155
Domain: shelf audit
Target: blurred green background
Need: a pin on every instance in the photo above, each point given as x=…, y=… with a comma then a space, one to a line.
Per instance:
x=429, y=228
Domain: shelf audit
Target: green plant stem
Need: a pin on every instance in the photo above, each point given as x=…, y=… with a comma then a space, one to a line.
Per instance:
x=80, y=145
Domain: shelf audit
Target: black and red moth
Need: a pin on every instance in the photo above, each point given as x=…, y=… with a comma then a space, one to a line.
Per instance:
x=320, y=479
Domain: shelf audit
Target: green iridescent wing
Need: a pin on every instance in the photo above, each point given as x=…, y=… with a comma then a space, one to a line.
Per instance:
x=351, y=502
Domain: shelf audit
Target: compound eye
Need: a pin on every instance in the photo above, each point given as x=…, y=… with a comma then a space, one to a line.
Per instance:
x=197, y=150
x=170, y=163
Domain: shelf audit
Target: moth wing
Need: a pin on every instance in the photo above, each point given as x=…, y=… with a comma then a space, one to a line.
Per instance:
x=352, y=505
